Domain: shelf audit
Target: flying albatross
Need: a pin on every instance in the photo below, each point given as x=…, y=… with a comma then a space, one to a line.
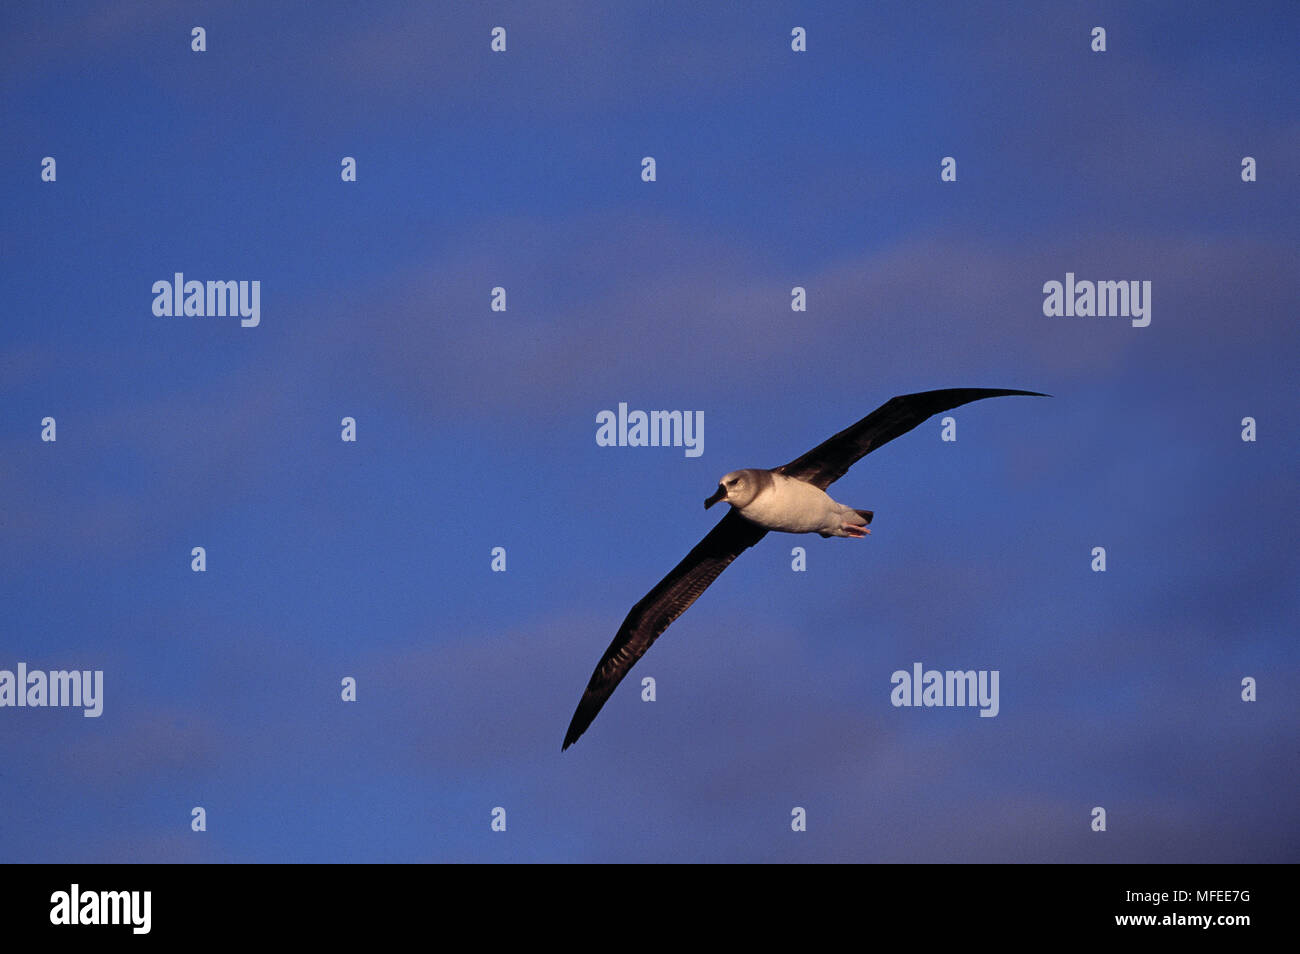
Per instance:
x=791, y=498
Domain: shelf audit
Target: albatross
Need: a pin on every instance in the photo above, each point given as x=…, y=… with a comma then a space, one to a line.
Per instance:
x=791, y=498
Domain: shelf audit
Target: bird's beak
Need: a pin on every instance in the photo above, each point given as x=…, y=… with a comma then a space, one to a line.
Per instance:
x=722, y=492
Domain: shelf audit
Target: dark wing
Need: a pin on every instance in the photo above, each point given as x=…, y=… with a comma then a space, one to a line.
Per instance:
x=658, y=608
x=831, y=459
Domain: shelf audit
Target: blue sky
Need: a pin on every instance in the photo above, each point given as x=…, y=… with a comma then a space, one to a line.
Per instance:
x=476, y=429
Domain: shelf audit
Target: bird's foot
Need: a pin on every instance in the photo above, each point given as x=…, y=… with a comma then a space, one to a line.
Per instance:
x=853, y=530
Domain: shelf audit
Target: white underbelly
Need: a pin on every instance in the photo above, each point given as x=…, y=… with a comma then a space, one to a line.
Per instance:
x=793, y=506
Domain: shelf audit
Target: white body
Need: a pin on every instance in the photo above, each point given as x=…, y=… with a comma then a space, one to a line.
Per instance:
x=777, y=502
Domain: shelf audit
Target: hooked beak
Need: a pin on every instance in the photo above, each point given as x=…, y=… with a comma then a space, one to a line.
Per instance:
x=721, y=493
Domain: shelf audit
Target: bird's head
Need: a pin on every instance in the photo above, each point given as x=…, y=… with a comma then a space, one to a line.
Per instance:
x=737, y=488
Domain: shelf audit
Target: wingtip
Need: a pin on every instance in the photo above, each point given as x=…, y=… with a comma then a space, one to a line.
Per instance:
x=573, y=735
x=1010, y=392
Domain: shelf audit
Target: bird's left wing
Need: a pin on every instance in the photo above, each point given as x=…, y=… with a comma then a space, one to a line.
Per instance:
x=831, y=459
x=658, y=608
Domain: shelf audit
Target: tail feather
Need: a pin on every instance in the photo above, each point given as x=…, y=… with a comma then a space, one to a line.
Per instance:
x=865, y=514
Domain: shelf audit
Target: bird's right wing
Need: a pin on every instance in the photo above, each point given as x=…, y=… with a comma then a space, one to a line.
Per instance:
x=831, y=459
x=658, y=608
